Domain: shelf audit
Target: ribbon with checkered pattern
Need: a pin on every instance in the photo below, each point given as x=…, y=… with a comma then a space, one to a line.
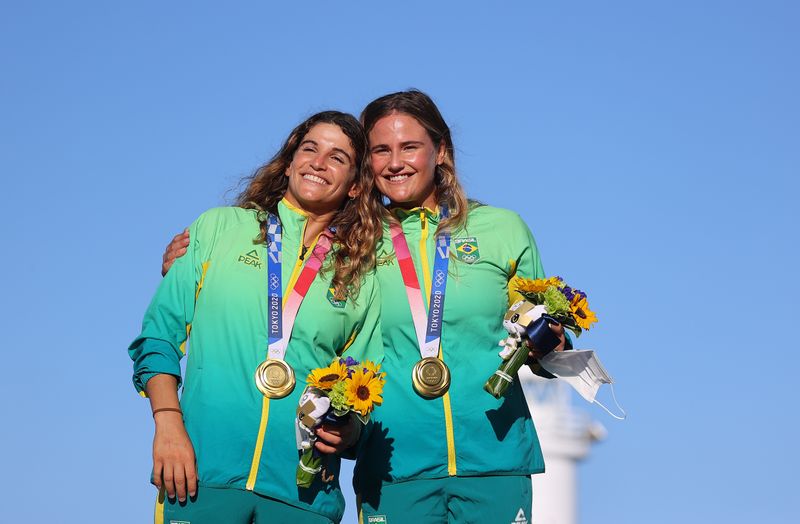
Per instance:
x=427, y=327
x=280, y=320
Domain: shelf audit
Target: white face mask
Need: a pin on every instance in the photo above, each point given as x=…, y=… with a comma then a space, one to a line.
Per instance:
x=581, y=369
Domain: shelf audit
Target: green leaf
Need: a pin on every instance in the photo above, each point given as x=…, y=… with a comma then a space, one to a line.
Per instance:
x=534, y=298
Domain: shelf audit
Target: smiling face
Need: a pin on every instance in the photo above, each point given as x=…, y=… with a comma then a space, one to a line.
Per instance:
x=404, y=160
x=323, y=169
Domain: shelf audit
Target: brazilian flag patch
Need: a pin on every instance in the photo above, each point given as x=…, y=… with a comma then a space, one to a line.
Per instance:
x=332, y=299
x=467, y=249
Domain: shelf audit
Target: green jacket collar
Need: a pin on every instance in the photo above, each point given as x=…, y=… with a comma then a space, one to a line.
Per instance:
x=293, y=219
x=415, y=213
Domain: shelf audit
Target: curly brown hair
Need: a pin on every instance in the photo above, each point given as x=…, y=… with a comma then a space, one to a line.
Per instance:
x=358, y=225
x=422, y=108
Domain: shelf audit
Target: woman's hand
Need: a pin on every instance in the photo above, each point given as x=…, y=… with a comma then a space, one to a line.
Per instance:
x=558, y=329
x=175, y=249
x=174, y=466
x=337, y=439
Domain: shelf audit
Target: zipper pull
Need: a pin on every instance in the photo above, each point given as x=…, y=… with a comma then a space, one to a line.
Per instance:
x=423, y=219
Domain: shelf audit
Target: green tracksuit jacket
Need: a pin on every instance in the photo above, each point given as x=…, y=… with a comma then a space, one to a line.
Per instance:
x=218, y=291
x=467, y=432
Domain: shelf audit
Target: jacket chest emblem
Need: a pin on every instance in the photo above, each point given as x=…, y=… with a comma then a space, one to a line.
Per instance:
x=467, y=249
x=334, y=302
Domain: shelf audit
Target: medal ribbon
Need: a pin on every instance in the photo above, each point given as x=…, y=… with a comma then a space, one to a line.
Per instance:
x=428, y=328
x=280, y=320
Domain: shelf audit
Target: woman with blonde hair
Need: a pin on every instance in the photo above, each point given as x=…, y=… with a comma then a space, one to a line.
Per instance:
x=304, y=228
x=442, y=449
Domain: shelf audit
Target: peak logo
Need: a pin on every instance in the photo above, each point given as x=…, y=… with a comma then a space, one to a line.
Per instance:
x=385, y=258
x=251, y=259
x=521, y=518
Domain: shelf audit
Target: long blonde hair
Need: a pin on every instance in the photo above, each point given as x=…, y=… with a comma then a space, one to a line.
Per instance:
x=421, y=107
x=358, y=224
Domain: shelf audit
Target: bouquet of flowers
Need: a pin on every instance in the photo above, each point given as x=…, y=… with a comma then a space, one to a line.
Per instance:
x=535, y=305
x=344, y=389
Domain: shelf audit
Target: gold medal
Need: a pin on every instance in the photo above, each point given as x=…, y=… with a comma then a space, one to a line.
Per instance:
x=431, y=377
x=275, y=378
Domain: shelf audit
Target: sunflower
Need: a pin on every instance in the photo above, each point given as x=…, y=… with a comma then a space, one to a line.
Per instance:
x=363, y=391
x=540, y=285
x=584, y=316
x=519, y=287
x=325, y=378
x=373, y=368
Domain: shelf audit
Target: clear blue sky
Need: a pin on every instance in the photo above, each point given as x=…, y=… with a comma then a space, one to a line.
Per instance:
x=651, y=146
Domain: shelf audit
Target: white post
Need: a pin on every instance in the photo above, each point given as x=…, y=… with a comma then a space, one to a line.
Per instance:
x=565, y=434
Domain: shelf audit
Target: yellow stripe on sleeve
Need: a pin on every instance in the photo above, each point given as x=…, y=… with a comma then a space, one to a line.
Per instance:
x=196, y=294
x=349, y=341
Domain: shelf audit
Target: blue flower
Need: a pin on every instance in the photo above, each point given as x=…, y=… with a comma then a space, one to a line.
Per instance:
x=349, y=361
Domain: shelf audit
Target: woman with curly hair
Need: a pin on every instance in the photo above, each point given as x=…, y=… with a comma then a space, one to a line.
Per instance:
x=305, y=227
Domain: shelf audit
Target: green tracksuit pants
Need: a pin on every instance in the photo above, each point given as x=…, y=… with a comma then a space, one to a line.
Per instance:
x=232, y=506
x=503, y=499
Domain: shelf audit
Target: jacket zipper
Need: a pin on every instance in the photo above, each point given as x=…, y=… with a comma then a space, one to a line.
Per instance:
x=448, y=413
x=262, y=428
